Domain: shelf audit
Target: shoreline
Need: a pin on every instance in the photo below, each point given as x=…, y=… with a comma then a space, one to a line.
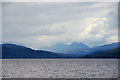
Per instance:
x=66, y=59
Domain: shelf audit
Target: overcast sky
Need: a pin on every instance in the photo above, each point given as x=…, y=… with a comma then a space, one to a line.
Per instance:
x=38, y=25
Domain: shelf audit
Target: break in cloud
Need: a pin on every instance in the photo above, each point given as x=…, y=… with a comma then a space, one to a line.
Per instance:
x=39, y=25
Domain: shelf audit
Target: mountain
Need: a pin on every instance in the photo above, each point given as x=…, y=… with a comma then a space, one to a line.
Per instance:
x=76, y=49
x=84, y=52
x=64, y=48
x=103, y=48
x=17, y=51
x=114, y=53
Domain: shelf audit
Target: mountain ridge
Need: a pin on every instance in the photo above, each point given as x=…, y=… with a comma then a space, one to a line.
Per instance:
x=18, y=51
x=61, y=47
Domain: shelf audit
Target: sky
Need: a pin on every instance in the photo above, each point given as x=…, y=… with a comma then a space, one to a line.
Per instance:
x=40, y=24
x=0, y=22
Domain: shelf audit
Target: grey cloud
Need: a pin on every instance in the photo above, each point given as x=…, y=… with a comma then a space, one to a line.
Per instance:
x=27, y=22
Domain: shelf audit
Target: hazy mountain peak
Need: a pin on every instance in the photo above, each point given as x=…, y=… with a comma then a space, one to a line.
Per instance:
x=74, y=43
x=60, y=47
x=77, y=43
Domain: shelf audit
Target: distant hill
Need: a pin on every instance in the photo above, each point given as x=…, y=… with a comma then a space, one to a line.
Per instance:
x=84, y=52
x=17, y=51
x=114, y=53
x=64, y=48
x=103, y=48
x=76, y=49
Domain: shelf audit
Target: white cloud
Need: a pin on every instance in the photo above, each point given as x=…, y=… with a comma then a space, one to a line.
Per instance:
x=112, y=39
x=43, y=24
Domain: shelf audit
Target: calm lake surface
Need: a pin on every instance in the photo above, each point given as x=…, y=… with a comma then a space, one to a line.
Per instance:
x=60, y=68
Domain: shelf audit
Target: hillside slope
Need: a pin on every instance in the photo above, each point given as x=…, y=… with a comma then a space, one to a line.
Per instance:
x=101, y=49
x=17, y=51
x=115, y=53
